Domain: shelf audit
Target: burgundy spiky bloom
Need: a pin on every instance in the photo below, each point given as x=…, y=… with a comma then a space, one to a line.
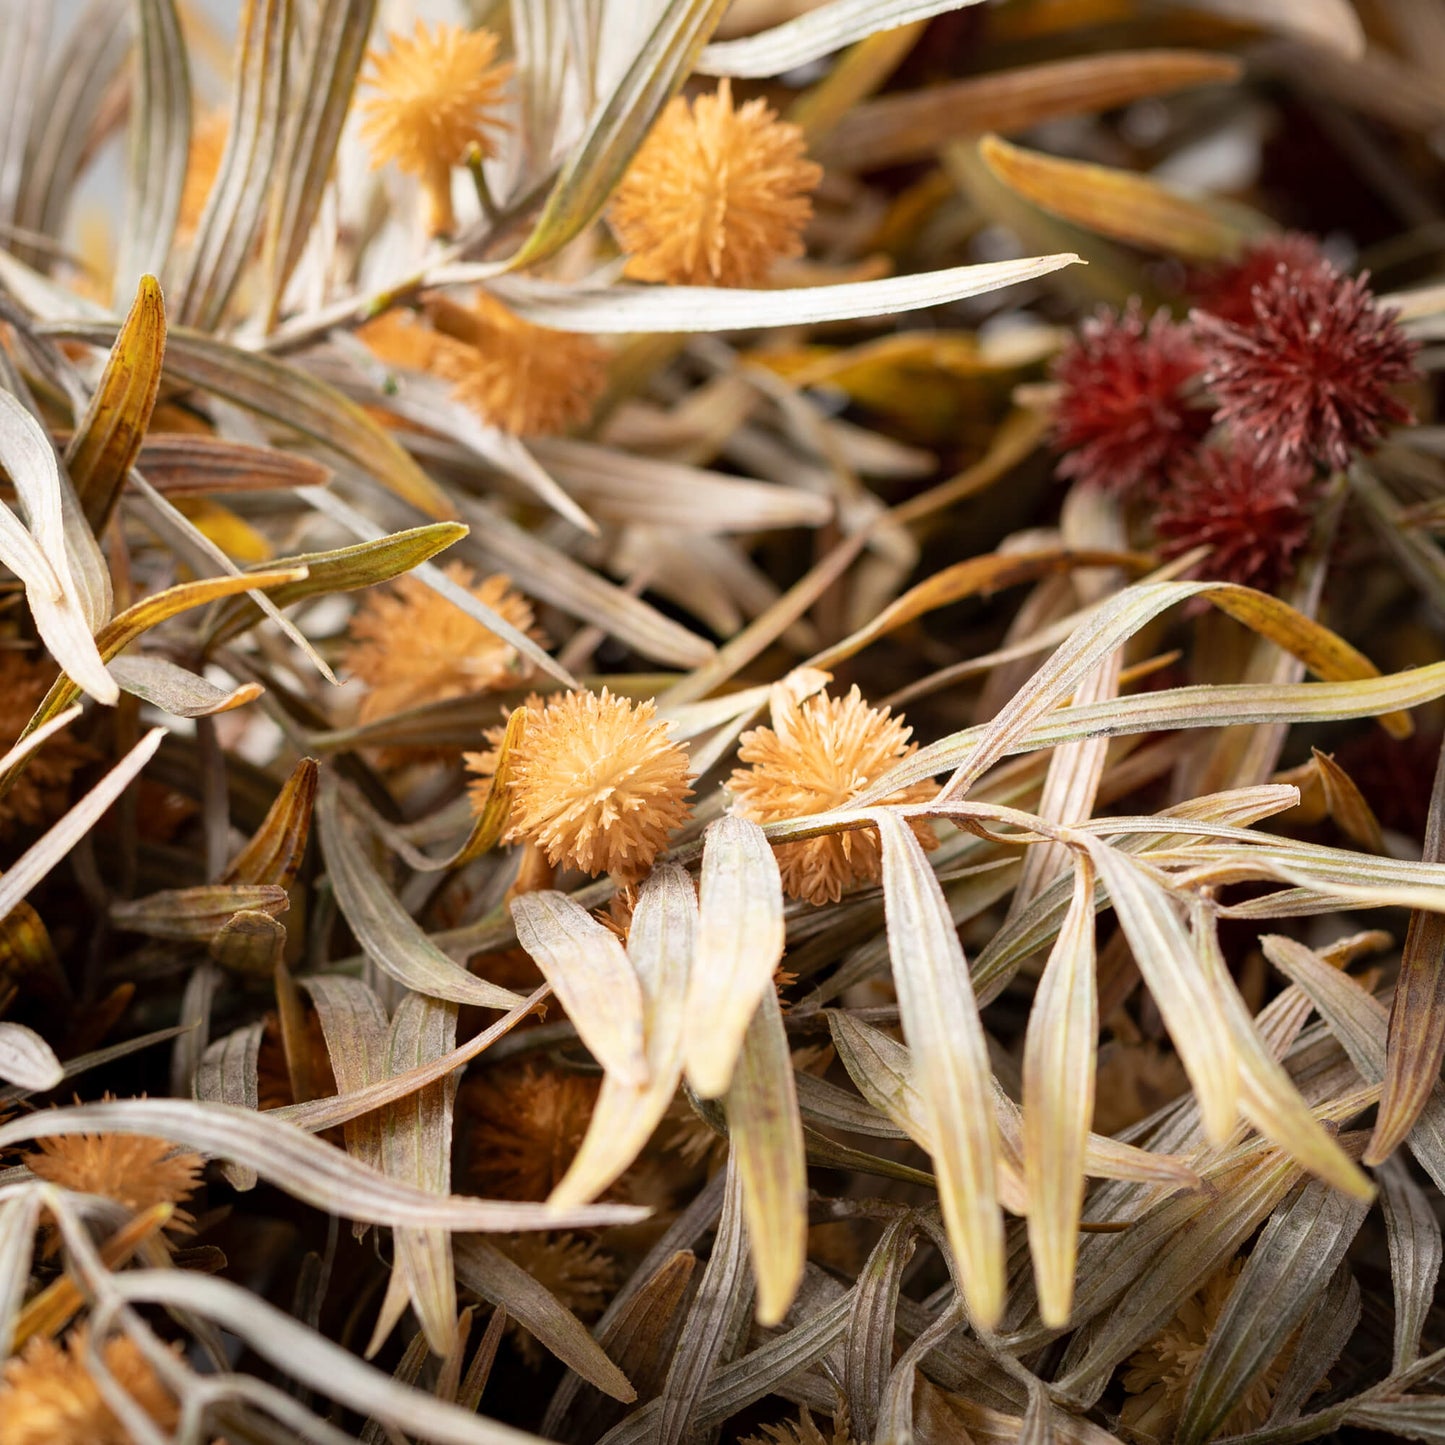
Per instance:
x=1255, y=516
x=1124, y=420
x=1309, y=377
x=1227, y=291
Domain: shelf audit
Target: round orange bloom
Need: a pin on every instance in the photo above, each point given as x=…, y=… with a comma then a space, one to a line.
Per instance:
x=135, y=1170
x=715, y=195
x=597, y=784
x=49, y=1396
x=438, y=98
x=818, y=756
x=410, y=645
x=528, y=380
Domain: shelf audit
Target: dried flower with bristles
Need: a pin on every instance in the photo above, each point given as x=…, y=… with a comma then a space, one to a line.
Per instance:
x=573, y=1269
x=521, y=1127
x=818, y=756
x=49, y=1396
x=527, y=380
x=1254, y=515
x=1227, y=290
x=715, y=195
x=1308, y=377
x=804, y=1431
x=137, y=1171
x=439, y=98
x=203, y=164
x=37, y=794
x=1124, y=418
x=598, y=784
x=410, y=645
x=1157, y=1377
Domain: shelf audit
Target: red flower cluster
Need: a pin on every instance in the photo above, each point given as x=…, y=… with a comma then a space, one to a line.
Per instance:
x=1297, y=360
x=1124, y=418
x=1251, y=514
x=1309, y=377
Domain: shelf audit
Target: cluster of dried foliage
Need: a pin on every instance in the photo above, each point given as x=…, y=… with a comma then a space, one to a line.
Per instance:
x=483, y=953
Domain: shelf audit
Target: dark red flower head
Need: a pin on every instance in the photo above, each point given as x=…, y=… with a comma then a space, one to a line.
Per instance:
x=1124, y=419
x=1308, y=378
x=1228, y=291
x=1255, y=516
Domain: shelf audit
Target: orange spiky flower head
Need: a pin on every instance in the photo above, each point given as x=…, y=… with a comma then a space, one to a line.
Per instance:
x=439, y=95
x=528, y=380
x=410, y=645
x=50, y=1397
x=818, y=755
x=715, y=195
x=596, y=783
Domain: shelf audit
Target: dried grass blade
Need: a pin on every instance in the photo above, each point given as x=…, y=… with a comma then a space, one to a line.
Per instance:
x=75, y=86
x=227, y=230
x=620, y=124
x=551, y=576
x=1120, y=204
x=273, y=853
x=24, y=31
x=416, y=1147
x=872, y=1325
x=592, y=977
x=108, y=437
x=1334, y=1321
x=333, y=57
x=41, y=557
x=227, y=1074
x=660, y=946
x=1359, y=1021
x=1058, y=1100
x=304, y=1167
x=178, y=464
x=290, y=396
x=624, y=308
x=347, y=569
x=137, y=620
x=1071, y=788
x=1285, y=1274
x=19, y=1217
x=354, y=1027
x=1413, y=1235
x=1332, y=24
x=41, y=857
x=724, y=1292
x=895, y=1413
x=160, y=139
x=817, y=33
x=483, y=1268
x=1149, y=1284
x=195, y=913
x=384, y=929
x=310, y=1357
x=914, y=125
x=739, y=943
x=1268, y=1097
x=1415, y=1046
x=26, y=1059
x=1178, y=983
x=766, y=1133
x=176, y=690
x=953, y=1075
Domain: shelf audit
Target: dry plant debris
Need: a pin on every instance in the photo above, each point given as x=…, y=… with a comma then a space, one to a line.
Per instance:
x=721, y=721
